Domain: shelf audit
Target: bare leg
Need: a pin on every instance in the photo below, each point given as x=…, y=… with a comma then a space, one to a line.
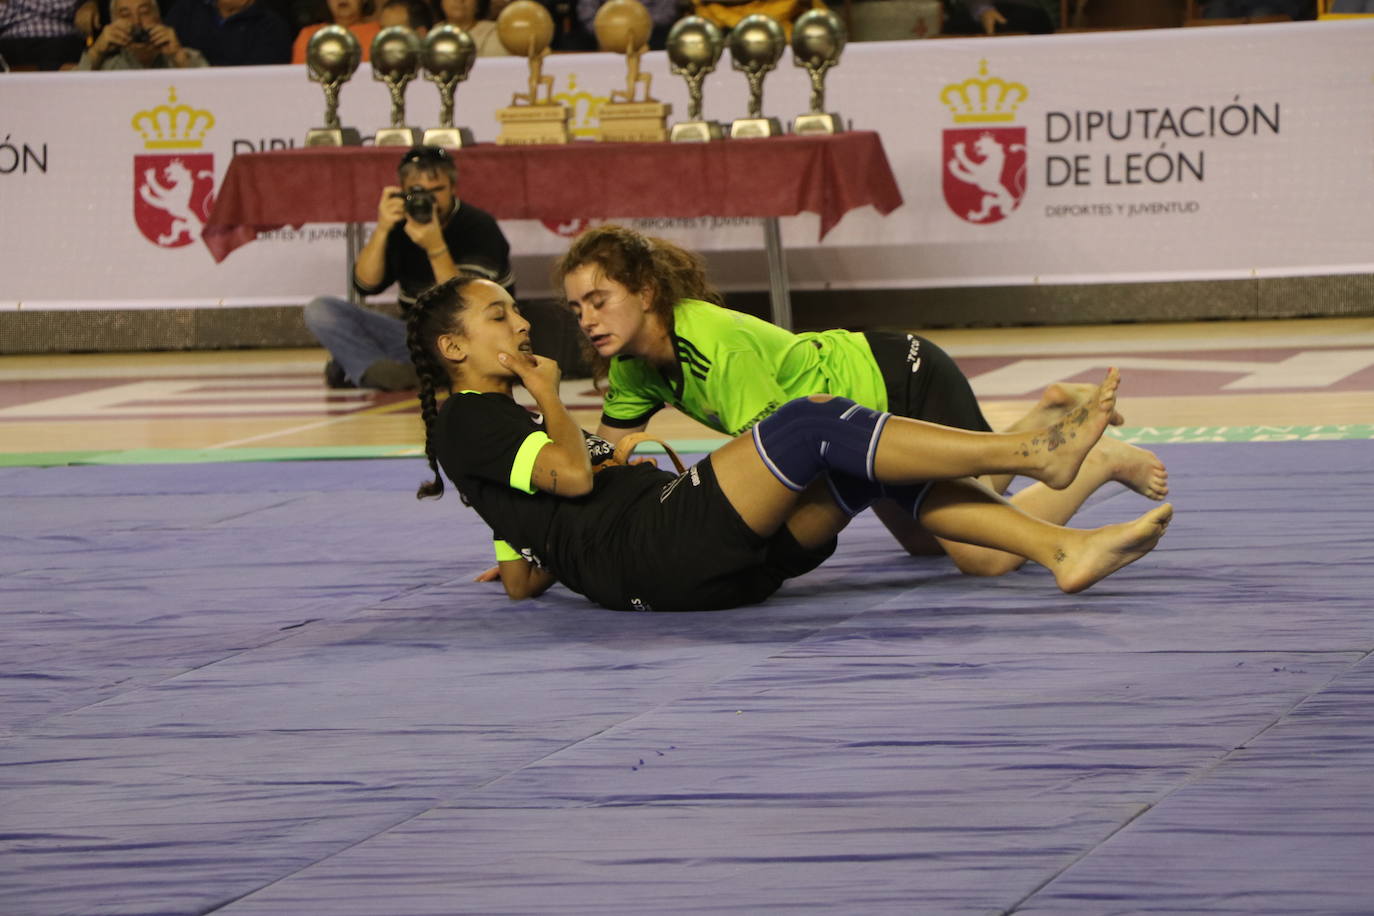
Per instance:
x=1052, y=455
x=910, y=451
x=1110, y=460
x=815, y=518
x=967, y=511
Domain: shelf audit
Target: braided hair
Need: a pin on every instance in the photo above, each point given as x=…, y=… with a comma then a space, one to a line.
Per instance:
x=436, y=312
x=636, y=261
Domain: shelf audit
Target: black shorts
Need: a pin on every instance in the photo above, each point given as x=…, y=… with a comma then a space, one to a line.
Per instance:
x=923, y=382
x=687, y=549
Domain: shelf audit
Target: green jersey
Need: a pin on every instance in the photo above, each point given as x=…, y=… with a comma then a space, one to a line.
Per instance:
x=734, y=369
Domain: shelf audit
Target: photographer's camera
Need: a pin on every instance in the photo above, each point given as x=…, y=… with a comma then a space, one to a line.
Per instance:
x=419, y=204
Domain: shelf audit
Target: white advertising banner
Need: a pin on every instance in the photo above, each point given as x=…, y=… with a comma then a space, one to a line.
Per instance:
x=1118, y=156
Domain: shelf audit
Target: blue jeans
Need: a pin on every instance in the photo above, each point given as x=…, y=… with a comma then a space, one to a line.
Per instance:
x=356, y=337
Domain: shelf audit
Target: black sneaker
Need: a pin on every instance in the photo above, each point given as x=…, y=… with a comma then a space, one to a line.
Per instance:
x=334, y=376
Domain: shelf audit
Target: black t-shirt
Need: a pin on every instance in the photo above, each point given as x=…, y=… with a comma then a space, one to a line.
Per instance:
x=479, y=443
x=474, y=240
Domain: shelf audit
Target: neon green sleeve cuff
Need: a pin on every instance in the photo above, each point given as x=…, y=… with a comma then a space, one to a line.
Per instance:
x=522, y=469
x=504, y=551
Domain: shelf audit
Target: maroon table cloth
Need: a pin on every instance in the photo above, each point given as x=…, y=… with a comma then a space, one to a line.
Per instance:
x=777, y=176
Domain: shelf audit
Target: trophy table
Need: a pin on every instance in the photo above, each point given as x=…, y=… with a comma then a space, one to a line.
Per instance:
x=623, y=26
x=331, y=58
x=395, y=61
x=449, y=53
x=756, y=44
x=526, y=30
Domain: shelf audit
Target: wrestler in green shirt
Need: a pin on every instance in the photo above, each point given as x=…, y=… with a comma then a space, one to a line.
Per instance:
x=733, y=370
x=662, y=337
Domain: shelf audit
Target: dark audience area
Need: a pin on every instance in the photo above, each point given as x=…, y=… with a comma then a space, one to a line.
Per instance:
x=53, y=34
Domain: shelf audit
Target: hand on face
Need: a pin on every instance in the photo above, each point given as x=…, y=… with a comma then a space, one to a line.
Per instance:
x=114, y=36
x=164, y=38
x=539, y=374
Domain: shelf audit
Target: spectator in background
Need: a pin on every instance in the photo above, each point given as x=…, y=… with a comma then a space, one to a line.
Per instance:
x=726, y=14
x=414, y=14
x=354, y=15
x=988, y=17
x=367, y=348
x=663, y=13
x=45, y=34
x=472, y=17
x=232, y=33
x=137, y=39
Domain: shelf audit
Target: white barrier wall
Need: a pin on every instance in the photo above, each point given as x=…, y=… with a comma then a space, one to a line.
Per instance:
x=1118, y=156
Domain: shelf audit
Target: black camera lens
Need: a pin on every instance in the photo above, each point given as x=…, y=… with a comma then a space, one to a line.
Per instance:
x=140, y=35
x=419, y=204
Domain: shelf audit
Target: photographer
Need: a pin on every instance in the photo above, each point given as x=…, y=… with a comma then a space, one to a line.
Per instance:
x=424, y=235
x=137, y=39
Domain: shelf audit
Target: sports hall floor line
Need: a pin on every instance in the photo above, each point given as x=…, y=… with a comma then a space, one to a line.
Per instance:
x=235, y=452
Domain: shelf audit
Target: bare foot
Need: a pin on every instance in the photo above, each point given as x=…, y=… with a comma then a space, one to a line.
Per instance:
x=1061, y=448
x=1056, y=402
x=1103, y=551
x=1137, y=468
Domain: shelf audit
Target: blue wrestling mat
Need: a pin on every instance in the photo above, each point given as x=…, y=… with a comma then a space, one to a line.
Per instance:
x=274, y=689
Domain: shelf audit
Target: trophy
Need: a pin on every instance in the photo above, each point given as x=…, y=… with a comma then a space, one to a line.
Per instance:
x=756, y=45
x=526, y=29
x=818, y=37
x=448, y=56
x=623, y=26
x=694, y=46
x=395, y=61
x=331, y=57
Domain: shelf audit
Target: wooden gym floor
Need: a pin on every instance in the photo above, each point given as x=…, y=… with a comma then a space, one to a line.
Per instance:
x=1273, y=380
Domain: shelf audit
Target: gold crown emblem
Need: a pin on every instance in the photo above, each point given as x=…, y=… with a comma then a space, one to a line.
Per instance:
x=584, y=107
x=173, y=126
x=980, y=101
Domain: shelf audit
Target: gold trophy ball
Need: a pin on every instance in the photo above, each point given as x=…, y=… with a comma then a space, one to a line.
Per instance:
x=449, y=52
x=757, y=42
x=694, y=44
x=622, y=26
x=395, y=50
x=525, y=28
x=333, y=52
x=818, y=36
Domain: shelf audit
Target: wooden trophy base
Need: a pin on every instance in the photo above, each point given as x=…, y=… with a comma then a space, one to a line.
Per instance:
x=633, y=122
x=397, y=136
x=817, y=123
x=526, y=125
x=455, y=137
x=696, y=132
x=333, y=136
x=749, y=128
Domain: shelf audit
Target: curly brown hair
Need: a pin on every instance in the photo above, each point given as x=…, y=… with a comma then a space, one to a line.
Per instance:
x=638, y=262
